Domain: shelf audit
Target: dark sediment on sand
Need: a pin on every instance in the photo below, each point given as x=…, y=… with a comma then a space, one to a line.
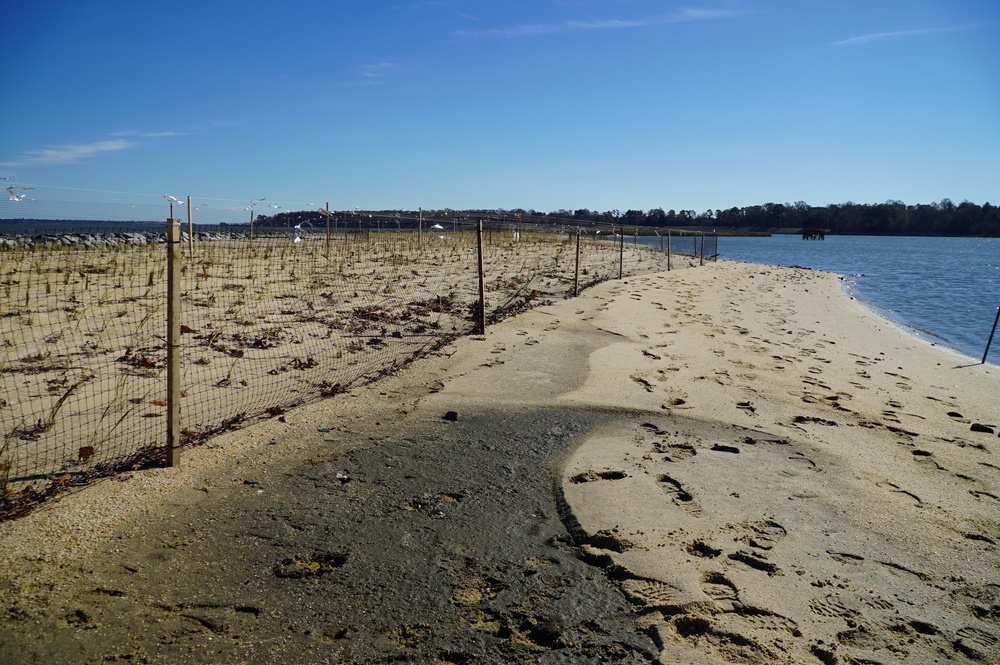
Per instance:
x=407, y=538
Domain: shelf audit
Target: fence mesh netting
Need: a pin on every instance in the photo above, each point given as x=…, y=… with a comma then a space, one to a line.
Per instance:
x=271, y=316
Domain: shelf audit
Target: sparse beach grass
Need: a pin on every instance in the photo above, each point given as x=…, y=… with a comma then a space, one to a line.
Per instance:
x=266, y=324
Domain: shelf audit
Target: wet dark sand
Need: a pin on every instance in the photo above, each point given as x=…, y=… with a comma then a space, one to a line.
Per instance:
x=402, y=538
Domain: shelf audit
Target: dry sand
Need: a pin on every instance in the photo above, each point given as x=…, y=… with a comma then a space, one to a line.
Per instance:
x=764, y=471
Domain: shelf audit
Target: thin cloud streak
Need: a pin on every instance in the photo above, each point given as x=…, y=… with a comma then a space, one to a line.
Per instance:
x=533, y=30
x=377, y=72
x=883, y=36
x=68, y=154
x=148, y=134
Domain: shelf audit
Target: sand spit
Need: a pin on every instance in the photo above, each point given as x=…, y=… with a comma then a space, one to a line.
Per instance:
x=729, y=464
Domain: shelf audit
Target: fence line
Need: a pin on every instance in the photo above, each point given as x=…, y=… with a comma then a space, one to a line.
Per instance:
x=291, y=316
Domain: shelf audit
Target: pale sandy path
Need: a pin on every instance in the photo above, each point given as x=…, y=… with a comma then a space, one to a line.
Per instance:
x=799, y=480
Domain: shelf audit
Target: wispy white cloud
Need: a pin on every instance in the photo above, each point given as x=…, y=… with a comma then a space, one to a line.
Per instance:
x=897, y=34
x=67, y=154
x=376, y=72
x=535, y=29
x=148, y=134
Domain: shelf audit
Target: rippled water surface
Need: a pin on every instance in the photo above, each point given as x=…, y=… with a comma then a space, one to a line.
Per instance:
x=944, y=289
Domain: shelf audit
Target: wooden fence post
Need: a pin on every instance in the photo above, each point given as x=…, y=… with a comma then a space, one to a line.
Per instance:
x=621, y=255
x=482, y=281
x=327, y=227
x=173, y=341
x=190, y=231
x=576, y=276
x=668, y=250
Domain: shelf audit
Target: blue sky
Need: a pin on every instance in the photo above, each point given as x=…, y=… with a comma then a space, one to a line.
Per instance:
x=548, y=104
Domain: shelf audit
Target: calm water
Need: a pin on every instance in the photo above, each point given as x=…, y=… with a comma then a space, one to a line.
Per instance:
x=946, y=290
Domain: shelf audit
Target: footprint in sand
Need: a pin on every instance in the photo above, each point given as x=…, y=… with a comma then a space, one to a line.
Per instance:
x=845, y=557
x=656, y=595
x=977, y=643
x=765, y=535
x=833, y=607
x=802, y=459
x=892, y=487
x=591, y=476
x=743, y=620
x=647, y=386
x=654, y=429
x=718, y=587
x=891, y=416
x=984, y=495
x=679, y=495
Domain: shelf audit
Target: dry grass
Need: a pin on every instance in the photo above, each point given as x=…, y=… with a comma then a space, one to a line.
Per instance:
x=266, y=325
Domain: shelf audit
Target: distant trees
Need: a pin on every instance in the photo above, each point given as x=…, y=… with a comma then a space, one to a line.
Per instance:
x=889, y=218
x=944, y=218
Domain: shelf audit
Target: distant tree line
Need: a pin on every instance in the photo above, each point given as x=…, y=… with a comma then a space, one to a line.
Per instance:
x=890, y=218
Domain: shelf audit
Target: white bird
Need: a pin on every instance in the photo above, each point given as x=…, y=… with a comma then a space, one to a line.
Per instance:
x=296, y=237
x=16, y=197
x=438, y=226
x=171, y=198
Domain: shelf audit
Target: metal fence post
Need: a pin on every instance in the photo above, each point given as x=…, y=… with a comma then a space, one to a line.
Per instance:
x=173, y=341
x=990, y=341
x=702, y=248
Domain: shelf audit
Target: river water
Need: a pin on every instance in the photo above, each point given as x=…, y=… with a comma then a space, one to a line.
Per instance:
x=946, y=290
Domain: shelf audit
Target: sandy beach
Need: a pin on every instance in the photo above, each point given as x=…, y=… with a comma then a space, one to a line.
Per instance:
x=732, y=463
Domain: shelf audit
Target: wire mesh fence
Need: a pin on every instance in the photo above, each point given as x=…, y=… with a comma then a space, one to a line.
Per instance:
x=273, y=315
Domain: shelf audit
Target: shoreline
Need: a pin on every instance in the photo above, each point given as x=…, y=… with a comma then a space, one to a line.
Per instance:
x=913, y=330
x=858, y=519
x=942, y=285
